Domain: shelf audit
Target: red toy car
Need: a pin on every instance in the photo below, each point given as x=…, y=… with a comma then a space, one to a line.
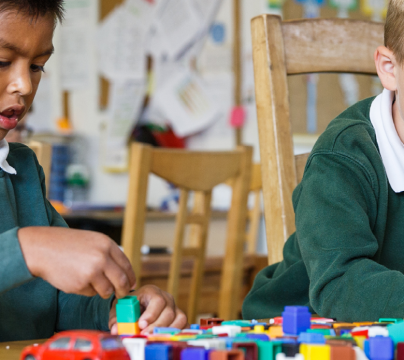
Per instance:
x=78, y=345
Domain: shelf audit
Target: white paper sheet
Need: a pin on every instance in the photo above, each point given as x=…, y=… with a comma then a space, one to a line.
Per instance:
x=186, y=103
x=76, y=44
x=125, y=101
x=121, y=40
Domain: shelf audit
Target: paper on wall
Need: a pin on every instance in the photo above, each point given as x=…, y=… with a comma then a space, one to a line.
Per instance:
x=121, y=40
x=125, y=102
x=75, y=45
x=186, y=103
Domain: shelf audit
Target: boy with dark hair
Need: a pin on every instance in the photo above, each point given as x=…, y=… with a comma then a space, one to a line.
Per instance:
x=50, y=274
x=345, y=260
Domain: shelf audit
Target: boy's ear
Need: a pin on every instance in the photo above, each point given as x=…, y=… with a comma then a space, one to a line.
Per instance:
x=385, y=66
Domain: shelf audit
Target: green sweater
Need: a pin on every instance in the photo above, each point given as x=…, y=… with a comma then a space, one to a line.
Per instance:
x=31, y=308
x=346, y=258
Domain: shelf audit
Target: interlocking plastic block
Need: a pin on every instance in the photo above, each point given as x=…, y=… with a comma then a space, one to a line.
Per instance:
x=339, y=341
x=262, y=337
x=275, y=331
x=226, y=355
x=135, y=347
x=315, y=352
x=342, y=353
x=381, y=348
x=158, y=352
x=230, y=330
x=214, y=344
x=377, y=330
x=396, y=332
x=282, y=356
x=360, y=355
x=128, y=310
x=310, y=338
x=390, y=320
x=194, y=327
x=128, y=329
x=166, y=330
x=210, y=322
x=241, y=323
x=327, y=332
x=400, y=351
x=296, y=319
x=250, y=349
x=267, y=350
x=290, y=349
x=195, y=354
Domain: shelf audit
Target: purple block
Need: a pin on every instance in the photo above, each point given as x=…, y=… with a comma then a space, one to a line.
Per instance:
x=158, y=352
x=195, y=354
x=296, y=319
x=381, y=348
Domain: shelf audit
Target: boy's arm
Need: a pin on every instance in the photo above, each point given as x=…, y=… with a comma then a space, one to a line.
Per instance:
x=336, y=211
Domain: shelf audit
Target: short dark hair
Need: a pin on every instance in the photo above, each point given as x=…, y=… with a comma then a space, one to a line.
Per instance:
x=35, y=8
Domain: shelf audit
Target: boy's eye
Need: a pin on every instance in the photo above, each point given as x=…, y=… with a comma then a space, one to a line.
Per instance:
x=35, y=68
x=4, y=64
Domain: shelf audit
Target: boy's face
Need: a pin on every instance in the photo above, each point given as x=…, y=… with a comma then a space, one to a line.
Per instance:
x=25, y=47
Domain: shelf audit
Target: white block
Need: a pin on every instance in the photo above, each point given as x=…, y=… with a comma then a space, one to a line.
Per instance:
x=360, y=355
x=378, y=331
x=282, y=356
x=230, y=330
x=135, y=347
x=215, y=344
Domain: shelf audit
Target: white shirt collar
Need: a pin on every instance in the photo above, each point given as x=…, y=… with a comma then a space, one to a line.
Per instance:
x=4, y=150
x=390, y=145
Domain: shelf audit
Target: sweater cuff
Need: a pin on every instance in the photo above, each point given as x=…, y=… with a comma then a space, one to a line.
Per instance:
x=13, y=269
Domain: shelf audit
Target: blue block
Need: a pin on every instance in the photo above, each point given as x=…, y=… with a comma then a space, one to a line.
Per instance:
x=195, y=327
x=381, y=348
x=158, y=352
x=311, y=338
x=262, y=337
x=195, y=354
x=166, y=330
x=296, y=319
x=366, y=347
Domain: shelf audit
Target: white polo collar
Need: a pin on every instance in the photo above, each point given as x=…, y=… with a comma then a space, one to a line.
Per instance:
x=390, y=145
x=4, y=150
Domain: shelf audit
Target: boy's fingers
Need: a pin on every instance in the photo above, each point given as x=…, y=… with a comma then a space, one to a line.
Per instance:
x=118, y=278
x=114, y=329
x=120, y=258
x=180, y=321
x=154, y=308
x=103, y=286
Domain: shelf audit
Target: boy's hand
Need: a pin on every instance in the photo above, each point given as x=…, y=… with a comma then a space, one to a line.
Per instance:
x=77, y=261
x=158, y=310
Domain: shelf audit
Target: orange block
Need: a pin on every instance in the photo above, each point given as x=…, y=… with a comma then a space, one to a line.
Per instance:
x=128, y=328
x=275, y=331
x=226, y=355
x=342, y=353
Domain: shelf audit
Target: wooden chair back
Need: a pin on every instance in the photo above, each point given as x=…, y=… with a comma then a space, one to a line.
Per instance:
x=198, y=172
x=297, y=47
x=43, y=152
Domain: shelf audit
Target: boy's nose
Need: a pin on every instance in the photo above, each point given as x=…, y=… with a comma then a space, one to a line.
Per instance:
x=21, y=82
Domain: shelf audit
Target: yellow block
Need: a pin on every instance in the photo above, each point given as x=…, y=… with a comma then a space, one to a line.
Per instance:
x=128, y=329
x=365, y=323
x=359, y=340
x=275, y=331
x=315, y=352
x=259, y=329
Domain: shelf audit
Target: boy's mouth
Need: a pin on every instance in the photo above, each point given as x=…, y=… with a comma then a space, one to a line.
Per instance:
x=9, y=117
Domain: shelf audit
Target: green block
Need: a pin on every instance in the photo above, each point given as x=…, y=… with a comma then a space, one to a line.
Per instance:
x=319, y=331
x=396, y=332
x=390, y=320
x=128, y=310
x=267, y=350
x=205, y=336
x=242, y=323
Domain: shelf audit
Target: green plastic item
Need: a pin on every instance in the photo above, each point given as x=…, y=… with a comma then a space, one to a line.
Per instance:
x=396, y=332
x=128, y=310
x=319, y=331
x=242, y=323
x=390, y=320
x=205, y=336
x=267, y=350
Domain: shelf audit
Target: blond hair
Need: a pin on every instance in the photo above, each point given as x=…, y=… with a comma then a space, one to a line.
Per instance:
x=393, y=29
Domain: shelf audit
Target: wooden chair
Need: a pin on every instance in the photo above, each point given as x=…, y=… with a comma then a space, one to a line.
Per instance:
x=297, y=47
x=199, y=172
x=43, y=152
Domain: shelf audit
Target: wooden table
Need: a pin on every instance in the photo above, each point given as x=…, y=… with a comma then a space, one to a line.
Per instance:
x=12, y=350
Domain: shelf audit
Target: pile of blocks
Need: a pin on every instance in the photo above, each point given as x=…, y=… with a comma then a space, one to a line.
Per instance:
x=296, y=335
x=128, y=313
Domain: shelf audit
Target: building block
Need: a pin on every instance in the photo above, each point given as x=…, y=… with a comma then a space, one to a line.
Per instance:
x=195, y=354
x=166, y=330
x=128, y=310
x=342, y=353
x=315, y=352
x=194, y=327
x=390, y=320
x=400, y=351
x=296, y=319
x=268, y=350
x=226, y=355
x=250, y=349
x=230, y=330
x=135, y=347
x=128, y=329
x=209, y=344
x=326, y=332
x=311, y=338
x=282, y=356
x=290, y=349
x=262, y=337
x=158, y=352
x=210, y=322
x=381, y=348
x=360, y=340
x=396, y=332
x=359, y=353
x=275, y=332
x=378, y=331
x=241, y=323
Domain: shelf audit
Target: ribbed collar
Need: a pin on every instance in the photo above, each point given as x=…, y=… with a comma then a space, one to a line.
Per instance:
x=4, y=150
x=390, y=145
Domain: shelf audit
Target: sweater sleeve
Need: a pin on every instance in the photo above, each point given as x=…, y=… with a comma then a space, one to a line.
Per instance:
x=334, y=220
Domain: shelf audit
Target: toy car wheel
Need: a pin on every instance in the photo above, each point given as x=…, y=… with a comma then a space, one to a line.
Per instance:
x=29, y=357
